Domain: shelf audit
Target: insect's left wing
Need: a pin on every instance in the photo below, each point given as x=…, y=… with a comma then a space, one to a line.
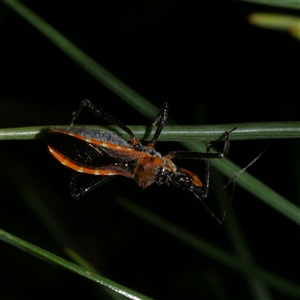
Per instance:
x=86, y=157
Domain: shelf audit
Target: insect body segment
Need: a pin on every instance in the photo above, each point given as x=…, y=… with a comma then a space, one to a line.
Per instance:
x=105, y=154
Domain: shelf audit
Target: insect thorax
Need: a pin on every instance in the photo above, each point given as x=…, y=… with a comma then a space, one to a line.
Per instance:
x=152, y=169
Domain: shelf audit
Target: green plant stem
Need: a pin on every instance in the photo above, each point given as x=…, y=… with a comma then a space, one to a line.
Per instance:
x=177, y=133
x=212, y=251
x=54, y=259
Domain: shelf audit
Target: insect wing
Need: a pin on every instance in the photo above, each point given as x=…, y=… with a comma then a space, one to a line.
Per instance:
x=81, y=155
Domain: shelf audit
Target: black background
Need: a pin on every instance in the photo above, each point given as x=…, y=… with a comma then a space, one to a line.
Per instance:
x=213, y=67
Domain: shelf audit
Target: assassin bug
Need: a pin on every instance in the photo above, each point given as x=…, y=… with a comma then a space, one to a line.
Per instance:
x=105, y=154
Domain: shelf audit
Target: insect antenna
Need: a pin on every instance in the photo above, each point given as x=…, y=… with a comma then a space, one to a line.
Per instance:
x=243, y=170
x=232, y=180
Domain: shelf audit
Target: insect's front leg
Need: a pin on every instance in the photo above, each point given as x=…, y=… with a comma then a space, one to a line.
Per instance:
x=160, y=121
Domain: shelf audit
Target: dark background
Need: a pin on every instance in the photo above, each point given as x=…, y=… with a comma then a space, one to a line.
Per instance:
x=213, y=67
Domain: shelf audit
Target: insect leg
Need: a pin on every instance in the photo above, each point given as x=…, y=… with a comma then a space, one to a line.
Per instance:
x=82, y=191
x=160, y=121
x=203, y=192
x=200, y=198
x=227, y=144
x=98, y=112
x=207, y=171
x=203, y=155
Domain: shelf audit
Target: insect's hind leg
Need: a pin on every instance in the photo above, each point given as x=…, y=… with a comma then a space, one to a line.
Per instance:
x=206, y=187
x=202, y=193
x=98, y=112
x=207, y=171
x=227, y=143
x=82, y=191
x=203, y=155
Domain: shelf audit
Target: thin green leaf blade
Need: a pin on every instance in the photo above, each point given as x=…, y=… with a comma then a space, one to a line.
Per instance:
x=49, y=257
x=212, y=251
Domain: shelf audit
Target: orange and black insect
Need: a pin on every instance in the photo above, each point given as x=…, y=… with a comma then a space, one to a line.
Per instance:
x=105, y=154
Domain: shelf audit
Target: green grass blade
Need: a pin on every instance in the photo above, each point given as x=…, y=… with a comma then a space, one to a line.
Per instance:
x=86, y=265
x=213, y=252
x=178, y=133
x=54, y=259
x=277, y=3
x=287, y=23
x=91, y=66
